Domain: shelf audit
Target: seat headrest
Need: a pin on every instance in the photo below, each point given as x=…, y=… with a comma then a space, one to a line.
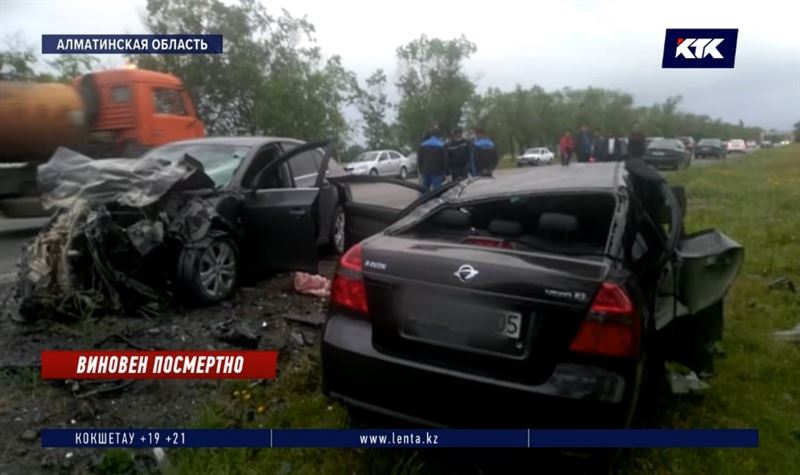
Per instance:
x=504, y=227
x=558, y=222
x=453, y=218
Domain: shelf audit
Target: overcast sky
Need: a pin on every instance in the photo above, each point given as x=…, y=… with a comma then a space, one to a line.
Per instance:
x=610, y=44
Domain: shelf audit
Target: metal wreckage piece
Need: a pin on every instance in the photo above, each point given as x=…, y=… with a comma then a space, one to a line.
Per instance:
x=118, y=228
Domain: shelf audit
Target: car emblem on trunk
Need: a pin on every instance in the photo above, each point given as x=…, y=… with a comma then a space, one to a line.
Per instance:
x=465, y=273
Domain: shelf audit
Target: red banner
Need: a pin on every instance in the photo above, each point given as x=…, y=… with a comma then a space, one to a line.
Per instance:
x=113, y=364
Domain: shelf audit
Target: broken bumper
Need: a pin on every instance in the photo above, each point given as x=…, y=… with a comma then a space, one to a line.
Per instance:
x=356, y=373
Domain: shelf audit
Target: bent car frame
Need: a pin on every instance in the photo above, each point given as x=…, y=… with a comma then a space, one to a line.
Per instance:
x=550, y=297
x=189, y=217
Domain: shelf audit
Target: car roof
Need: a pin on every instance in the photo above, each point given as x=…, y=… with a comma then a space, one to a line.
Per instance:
x=246, y=141
x=577, y=177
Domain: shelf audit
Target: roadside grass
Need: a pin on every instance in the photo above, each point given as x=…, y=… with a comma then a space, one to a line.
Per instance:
x=753, y=200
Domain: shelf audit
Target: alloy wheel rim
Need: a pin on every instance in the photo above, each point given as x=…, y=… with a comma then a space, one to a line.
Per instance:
x=338, y=233
x=217, y=269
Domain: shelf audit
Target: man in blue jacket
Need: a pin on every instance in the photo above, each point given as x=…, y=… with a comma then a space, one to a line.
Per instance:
x=484, y=154
x=584, y=145
x=432, y=161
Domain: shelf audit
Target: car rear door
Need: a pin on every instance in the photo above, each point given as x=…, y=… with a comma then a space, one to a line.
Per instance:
x=282, y=222
x=376, y=203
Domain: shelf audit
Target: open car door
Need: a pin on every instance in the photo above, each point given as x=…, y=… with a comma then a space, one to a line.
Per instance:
x=696, y=272
x=281, y=221
x=365, y=218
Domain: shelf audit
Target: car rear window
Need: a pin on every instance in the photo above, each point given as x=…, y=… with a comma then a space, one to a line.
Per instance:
x=576, y=223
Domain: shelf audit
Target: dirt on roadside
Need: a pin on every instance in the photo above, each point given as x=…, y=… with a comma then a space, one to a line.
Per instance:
x=264, y=315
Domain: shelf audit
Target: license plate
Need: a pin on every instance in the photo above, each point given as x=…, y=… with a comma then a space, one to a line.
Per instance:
x=497, y=324
x=508, y=325
x=658, y=153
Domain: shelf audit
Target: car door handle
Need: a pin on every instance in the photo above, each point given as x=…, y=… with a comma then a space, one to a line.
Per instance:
x=297, y=212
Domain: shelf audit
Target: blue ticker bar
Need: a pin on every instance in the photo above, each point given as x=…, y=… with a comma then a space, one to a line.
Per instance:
x=401, y=438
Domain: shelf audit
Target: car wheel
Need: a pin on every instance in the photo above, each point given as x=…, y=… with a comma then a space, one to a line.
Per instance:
x=403, y=173
x=336, y=240
x=210, y=272
x=373, y=172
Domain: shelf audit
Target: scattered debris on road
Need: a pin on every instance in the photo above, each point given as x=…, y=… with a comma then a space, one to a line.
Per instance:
x=316, y=285
x=236, y=333
x=792, y=335
x=783, y=283
x=687, y=383
x=315, y=321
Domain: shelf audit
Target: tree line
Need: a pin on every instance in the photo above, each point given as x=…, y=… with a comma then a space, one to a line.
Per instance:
x=273, y=79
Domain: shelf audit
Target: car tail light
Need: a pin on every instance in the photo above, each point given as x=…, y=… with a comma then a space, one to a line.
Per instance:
x=611, y=327
x=488, y=242
x=347, y=288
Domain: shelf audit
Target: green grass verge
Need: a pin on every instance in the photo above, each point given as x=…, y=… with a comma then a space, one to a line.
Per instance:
x=754, y=200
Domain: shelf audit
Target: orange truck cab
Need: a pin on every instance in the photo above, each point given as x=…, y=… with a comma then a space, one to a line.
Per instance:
x=129, y=111
x=114, y=113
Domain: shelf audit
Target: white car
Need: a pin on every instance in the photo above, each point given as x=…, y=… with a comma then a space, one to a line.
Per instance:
x=737, y=146
x=379, y=163
x=535, y=156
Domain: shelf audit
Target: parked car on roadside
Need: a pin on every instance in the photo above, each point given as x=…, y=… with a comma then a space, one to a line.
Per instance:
x=379, y=163
x=752, y=144
x=546, y=298
x=412, y=164
x=190, y=216
x=689, y=143
x=650, y=139
x=737, y=146
x=536, y=156
x=667, y=153
x=710, y=148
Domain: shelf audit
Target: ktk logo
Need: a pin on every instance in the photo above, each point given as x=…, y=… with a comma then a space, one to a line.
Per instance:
x=702, y=47
x=696, y=48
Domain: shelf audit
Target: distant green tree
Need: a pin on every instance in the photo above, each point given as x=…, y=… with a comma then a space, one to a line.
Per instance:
x=271, y=78
x=70, y=66
x=432, y=84
x=373, y=106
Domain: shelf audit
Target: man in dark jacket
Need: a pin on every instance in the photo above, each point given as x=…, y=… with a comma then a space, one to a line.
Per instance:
x=584, y=145
x=458, y=155
x=432, y=161
x=600, y=145
x=484, y=154
x=636, y=143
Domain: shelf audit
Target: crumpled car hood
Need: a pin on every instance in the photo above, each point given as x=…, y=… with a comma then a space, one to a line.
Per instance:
x=69, y=177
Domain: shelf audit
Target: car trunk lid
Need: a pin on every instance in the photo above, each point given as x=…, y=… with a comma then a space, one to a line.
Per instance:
x=477, y=306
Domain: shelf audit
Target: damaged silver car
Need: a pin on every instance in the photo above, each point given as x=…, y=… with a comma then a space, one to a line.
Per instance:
x=128, y=234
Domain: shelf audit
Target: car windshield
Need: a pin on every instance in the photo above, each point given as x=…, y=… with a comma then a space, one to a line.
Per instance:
x=709, y=142
x=366, y=157
x=532, y=150
x=219, y=160
x=663, y=143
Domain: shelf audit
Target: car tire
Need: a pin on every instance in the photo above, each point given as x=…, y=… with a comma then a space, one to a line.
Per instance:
x=373, y=172
x=336, y=239
x=209, y=271
x=403, y=173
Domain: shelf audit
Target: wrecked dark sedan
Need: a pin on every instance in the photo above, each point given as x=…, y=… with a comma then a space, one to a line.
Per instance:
x=190, y=216
x=550, y=297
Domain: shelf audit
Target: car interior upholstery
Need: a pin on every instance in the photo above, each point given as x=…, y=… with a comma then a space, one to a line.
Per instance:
x=566, y=223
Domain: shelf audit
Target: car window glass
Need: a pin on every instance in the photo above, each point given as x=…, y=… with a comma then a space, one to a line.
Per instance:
x=304, y=164
x=167, y=101
x=219, y=161
x=383, y=158
x=120, y=94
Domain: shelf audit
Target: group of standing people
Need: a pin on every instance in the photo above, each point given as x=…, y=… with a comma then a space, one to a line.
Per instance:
x=456, y=157
x=600, y=146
